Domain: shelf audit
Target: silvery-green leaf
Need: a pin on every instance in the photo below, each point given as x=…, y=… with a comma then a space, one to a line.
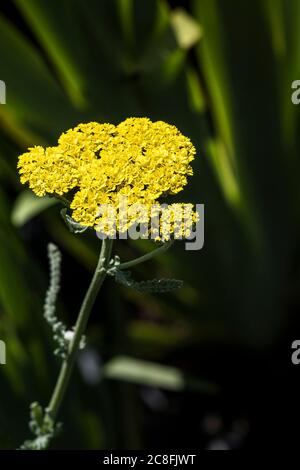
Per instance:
x=151, y=285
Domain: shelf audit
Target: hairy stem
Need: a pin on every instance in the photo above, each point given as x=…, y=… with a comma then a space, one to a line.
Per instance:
x=87, y=304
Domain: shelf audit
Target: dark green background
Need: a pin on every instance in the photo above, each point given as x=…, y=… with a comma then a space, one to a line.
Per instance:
x=220, y=70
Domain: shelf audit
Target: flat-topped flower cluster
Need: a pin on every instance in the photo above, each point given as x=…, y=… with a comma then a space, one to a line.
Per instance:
x=96, y=164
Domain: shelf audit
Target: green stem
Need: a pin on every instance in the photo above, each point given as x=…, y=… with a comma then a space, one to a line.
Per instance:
x=142, y=259
x=87, y=304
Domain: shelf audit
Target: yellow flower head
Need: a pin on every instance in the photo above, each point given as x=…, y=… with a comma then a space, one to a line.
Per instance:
x=97, y=164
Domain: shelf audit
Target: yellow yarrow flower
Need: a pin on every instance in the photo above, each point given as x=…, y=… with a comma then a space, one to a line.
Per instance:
x=97, y=164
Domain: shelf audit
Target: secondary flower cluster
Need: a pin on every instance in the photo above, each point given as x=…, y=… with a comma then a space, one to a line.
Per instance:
x=96, y=164
x=157, y=221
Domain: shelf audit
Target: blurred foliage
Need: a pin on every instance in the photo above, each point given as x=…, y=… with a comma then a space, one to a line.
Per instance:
x=220, y=70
